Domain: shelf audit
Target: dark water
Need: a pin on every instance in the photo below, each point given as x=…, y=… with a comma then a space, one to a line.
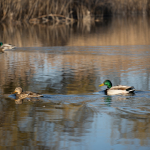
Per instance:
x=66, y=64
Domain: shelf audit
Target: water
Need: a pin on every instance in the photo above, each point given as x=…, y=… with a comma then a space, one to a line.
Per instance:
x=66, y=64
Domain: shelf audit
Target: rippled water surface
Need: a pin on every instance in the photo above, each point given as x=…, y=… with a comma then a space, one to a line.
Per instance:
x=66, y=64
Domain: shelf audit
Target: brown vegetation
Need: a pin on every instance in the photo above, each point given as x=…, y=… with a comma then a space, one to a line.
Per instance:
x=29, y=9
x=124, y=31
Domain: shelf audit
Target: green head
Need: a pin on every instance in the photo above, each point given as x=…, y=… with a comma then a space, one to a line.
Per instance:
x=107, y=83
x=1, y=43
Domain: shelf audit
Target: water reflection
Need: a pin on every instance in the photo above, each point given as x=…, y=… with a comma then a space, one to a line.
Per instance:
x=55, y=121
x=116, y=31
x=71, y=72
x=45, y=127
x=74, y=114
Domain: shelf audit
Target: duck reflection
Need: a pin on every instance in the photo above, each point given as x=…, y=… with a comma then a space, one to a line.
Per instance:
x=107, y=100
x=110, y=99
x=21, y=100
x=59, y=118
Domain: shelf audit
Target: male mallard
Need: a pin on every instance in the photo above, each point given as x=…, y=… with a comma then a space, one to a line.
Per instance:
x=19, y=93
x=117, y=90
x=3, y=47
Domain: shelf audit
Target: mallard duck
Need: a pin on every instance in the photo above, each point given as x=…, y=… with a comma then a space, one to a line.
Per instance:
x=3, y=47
x=19, y=93
x=117, y=90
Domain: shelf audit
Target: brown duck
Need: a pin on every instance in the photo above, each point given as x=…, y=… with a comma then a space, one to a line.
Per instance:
x=26, y=94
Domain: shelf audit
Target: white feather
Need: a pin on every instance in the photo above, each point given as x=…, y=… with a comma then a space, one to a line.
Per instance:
x=120, y=90
x=7, y=46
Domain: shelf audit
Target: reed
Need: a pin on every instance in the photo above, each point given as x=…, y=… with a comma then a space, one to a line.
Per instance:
x=27, y=9
x=77, y=9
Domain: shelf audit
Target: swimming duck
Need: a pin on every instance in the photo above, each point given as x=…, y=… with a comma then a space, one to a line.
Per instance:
x=117, y=90
x=20, y=94
x=3, y=47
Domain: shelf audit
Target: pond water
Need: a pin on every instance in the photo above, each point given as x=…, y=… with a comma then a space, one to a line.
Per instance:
x=66, y=64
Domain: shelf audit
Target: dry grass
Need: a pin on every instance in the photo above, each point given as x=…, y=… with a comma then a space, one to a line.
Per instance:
x=79, y=9
x=27, y=9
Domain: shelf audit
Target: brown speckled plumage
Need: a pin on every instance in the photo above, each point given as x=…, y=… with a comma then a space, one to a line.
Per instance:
x=27, y=94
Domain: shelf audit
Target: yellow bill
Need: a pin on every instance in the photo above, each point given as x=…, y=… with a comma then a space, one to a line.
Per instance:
x=102, y=84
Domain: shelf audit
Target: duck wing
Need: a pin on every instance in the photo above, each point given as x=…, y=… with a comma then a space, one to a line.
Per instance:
x=120, y=90
x=8, y=46
x=21, y=96
x=32, y=94
x=123, y=88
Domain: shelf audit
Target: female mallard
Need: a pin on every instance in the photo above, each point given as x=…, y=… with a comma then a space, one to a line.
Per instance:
x=3, y=47
x=20, y=94
x=117, y=90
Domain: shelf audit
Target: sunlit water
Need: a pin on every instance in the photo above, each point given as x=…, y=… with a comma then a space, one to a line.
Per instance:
x=74, y=112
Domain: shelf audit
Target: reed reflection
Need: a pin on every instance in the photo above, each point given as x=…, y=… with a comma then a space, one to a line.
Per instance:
x=111, y=31
x=71, y=72
x=130, y=126
x=49, y=124
x=32, y=121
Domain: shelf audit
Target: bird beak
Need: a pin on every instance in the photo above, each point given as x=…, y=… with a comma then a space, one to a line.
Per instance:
x=102, y=84
x=14, y=92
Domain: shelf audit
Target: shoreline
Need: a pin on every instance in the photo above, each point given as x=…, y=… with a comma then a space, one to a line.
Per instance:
x=68, y=11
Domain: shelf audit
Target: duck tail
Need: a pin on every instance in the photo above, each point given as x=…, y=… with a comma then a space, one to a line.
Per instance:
x=12, y=46
x=130, y=89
